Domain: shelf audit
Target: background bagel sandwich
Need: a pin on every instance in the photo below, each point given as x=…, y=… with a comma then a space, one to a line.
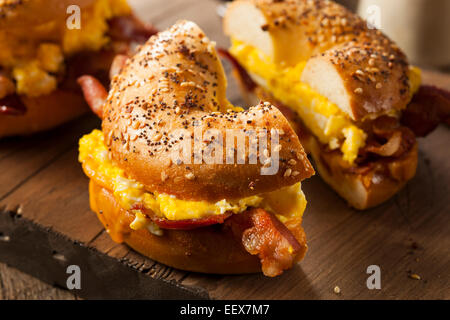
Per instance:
x=213, y=217
x=358, y=104
x=41, y=58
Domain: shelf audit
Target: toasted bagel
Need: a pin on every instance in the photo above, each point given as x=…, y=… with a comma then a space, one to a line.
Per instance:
x=359, y=69
x=42, y=58
x=346, y=82
x=212, y=249
x=176, y=81
x=362, y=190
x=211, y=217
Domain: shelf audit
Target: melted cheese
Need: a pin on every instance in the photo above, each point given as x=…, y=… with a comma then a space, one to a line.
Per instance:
x=34, y=62
x=325, y=119
x=287, y=203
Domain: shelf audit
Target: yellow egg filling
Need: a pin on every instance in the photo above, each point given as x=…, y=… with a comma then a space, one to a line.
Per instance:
x=286, y=203
x=34, y=62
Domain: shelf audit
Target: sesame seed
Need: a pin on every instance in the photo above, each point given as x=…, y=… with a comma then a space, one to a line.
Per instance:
x=292, y=162
x=189, y=176
x=379, y=85
x=288, y=173
x=359, y=91
x=337, y=290
x=157, y=136
x=415, y=276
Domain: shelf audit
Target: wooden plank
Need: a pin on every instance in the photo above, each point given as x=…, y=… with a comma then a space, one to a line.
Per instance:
x=18, y=285
x=46, y=223
x=343, y=243
x=28, y=152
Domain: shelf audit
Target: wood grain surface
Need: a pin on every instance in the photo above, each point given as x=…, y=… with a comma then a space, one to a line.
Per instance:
x=46, y=223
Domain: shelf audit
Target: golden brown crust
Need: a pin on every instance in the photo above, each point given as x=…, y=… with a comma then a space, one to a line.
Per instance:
x=43, y=113
x=26, y=13
x=359, y=69
x=176, y=82
x=208, y=250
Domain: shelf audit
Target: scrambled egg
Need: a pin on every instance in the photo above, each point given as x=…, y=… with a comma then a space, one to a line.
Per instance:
x=94, y=25
x=325, y=119
x=34, y=64
x=33, y=78
x=287, y=203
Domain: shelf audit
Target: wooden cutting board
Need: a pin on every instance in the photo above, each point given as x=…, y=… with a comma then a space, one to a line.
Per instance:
x=46, y=224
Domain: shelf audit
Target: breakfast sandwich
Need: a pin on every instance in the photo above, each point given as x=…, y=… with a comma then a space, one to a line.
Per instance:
x=220, y=216
x=46, y=45
x=357, y=103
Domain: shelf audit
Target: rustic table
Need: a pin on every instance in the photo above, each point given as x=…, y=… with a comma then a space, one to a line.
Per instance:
x=46, y=224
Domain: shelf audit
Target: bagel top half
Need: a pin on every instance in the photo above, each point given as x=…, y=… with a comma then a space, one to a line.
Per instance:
x=176, y=82
x=357, y=68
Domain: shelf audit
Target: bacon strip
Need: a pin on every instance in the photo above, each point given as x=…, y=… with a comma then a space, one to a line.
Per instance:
x=190, y=224
x=265, y=236
x=182, y=224
x=94, y=93
x=7, y=87
x=130, y=28
x=250, y=85
x=400, y=139
x=117, y=65
x=12, y=105
x=429, y=107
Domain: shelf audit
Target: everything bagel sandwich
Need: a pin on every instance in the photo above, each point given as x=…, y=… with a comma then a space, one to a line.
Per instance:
x=152, y=183
x=45, y=47
x=356, y=102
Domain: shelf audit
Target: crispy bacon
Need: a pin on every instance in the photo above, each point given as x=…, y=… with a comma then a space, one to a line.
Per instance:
x=429, y=107
x=398, y=139
x=190, y=224
x=182, y=224
x=261, y=233
x=12, y=105
x=130, y=29
x=250, y=85
x=94, y=93
x=117, y=65
x=265, y=236
x=7, y=87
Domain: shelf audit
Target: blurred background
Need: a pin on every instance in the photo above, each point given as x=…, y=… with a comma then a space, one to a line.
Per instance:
x=420, y=27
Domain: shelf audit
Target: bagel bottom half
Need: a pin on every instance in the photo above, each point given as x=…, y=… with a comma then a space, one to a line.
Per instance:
x=213, y=249
x=363, y=190
x=44, y=112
